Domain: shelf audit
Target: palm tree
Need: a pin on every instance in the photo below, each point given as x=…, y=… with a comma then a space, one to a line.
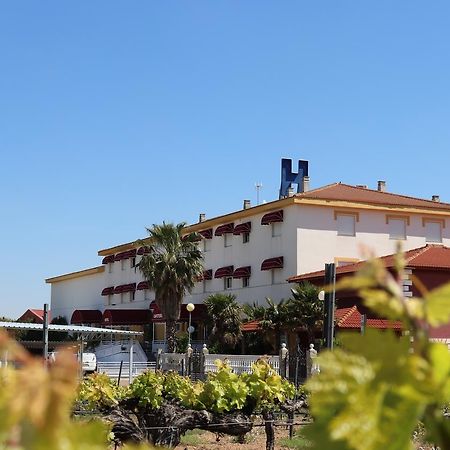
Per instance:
x=225, y=314
x=304, y=309
x=171, y=267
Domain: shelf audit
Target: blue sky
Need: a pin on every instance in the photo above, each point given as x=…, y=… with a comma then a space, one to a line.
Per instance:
x=118, y=115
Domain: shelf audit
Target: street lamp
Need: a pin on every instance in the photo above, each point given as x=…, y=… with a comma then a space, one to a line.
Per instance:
x=190, y=307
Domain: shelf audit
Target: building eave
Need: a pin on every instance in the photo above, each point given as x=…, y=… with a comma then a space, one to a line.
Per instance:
x=78, y=274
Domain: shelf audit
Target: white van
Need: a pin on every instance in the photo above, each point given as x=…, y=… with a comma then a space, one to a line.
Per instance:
x=89, y=361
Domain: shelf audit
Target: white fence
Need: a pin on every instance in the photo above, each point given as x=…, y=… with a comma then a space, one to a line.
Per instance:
x=112, y=369
x=239, y=363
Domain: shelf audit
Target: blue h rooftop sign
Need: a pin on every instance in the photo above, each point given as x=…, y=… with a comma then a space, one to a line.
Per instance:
x=288, y=177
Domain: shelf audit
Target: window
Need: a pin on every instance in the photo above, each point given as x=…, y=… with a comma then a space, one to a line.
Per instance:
x=245, y=237
x=122, y=297
x=276, y=276
x=132, y=262
x=227, y=240
x=146, y=294
x=346, y=223
x=132, y=296
x=245, y=282
x=227, y=283
x=108, y=300
x=276, y=229
x=110, y=267
x=122, y=264
x=433, y=229
x=397, y=228
x=206, y=245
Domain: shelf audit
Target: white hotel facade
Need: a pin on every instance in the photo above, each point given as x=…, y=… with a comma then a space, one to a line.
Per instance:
x=253, y=251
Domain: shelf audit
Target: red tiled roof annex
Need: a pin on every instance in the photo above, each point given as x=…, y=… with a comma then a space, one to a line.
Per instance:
x=350, y=318
x=428, y=257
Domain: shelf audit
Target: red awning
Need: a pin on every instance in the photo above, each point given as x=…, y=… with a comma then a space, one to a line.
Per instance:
x=242, y=272
x=127, y=317
x=272, y=217
x=272, y=263
x=125, y=255
x=156, y=312
x=142, y=286
x=143, y=250
x=226, y=271
x=108, y=259
x=86, y=316
x=224, y=229
x=199, y=313
x=108, y=291
x=206, y=234
x=125, y=288
x=207, y=274
x=242, y=228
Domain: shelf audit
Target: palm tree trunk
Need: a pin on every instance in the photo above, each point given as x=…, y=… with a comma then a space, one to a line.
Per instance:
x=171, y=327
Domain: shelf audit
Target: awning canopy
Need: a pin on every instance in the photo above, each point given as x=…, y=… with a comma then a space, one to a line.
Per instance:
x=108, y=259
x=206, y=234
x=125, y=255
x=86, y=316
x=143, y=250
x=127, y=317
x=125, y=288
x=199, y=313
x=108, y=291
x=242, y=272
x=226, y=271
x=272, y=263
x=242, y=228
x=207, y=274
x=142, y=286
x=272, y=217
x=224, y=229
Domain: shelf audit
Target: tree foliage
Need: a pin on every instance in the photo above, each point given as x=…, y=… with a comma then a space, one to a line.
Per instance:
x=171, y=266
x=225, y=316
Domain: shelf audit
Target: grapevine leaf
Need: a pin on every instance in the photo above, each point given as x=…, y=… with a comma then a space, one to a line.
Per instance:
x=438, y=305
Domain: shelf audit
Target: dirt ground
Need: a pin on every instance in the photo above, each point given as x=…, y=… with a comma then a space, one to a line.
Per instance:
x=255, y=440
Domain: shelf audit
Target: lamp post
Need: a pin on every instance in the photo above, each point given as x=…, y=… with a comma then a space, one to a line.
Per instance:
x=190, y=307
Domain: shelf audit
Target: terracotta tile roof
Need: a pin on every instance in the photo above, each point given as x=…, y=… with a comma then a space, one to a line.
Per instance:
x=253, y=325
x=350, y=318
x=346, y=192
x=428, y=257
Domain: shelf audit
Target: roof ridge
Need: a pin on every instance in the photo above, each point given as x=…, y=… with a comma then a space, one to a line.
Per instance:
x=415, y=252
x=347, y=314
x=321, y=188
x=410, y=197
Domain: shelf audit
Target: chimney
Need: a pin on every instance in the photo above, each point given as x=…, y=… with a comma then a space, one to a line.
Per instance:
x=305, y=184
x=290, y=192
x=201, y=217
x=246, y=204
x=435, y=198
x=381, y=186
